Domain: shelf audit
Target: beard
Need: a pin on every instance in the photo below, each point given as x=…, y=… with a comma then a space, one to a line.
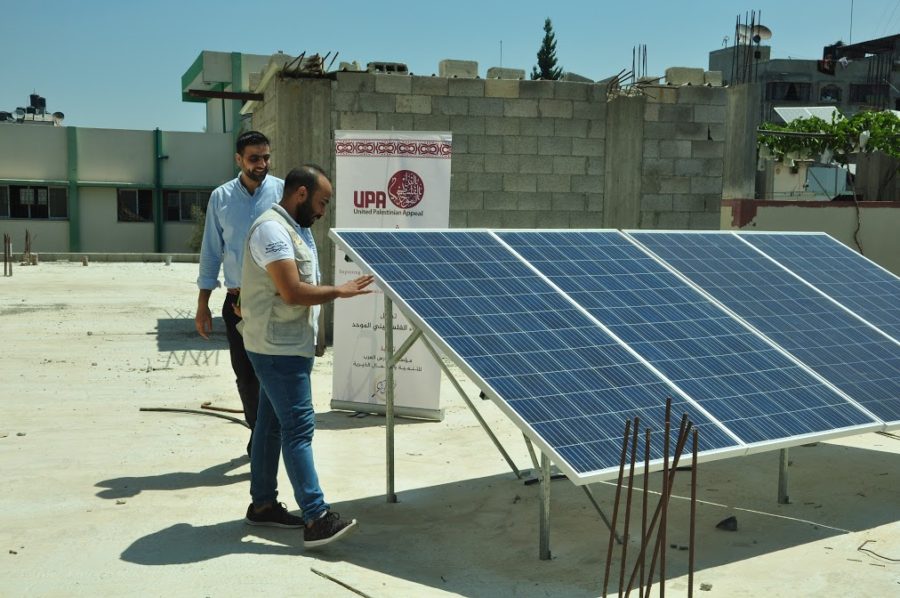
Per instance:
x=256, y=176
x=304, y=215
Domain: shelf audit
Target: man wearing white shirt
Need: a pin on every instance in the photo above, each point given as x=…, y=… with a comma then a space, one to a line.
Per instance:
x=280, y=300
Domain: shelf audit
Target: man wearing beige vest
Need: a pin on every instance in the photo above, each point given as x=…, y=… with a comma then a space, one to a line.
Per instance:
x=280, y=298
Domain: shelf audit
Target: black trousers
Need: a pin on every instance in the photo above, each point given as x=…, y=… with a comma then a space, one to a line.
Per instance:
x=247, y=384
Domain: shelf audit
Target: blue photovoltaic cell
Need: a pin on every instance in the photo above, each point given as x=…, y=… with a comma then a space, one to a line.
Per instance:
x=558, y=371
x=845, y=351
x=847, y=277
x=739, y=378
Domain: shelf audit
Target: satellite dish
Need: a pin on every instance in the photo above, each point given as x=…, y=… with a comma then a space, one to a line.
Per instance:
x=760, y=32
x=58, y=117
x=743, y=32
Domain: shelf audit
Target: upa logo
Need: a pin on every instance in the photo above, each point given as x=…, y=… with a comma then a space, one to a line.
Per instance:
x=406, y=189
x=369, y=199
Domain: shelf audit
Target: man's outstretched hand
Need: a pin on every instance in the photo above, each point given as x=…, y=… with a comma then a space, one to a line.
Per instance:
x=357, y=286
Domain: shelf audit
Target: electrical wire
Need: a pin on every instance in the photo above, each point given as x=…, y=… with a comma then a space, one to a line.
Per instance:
x=881, y=556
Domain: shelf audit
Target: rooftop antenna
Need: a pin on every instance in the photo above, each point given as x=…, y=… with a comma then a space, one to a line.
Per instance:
x=851, y=22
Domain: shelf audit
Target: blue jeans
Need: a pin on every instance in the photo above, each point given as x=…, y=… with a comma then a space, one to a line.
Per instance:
x=286, y=421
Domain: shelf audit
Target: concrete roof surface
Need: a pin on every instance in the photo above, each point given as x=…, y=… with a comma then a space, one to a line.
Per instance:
x=101, y=498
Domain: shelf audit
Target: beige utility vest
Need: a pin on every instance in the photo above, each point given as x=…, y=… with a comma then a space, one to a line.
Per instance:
x=270, y=326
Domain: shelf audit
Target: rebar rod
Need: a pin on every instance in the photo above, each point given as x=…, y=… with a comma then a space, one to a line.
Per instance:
x=612, y=527
x=693, y=517
x=634, y=441
x=644, y=507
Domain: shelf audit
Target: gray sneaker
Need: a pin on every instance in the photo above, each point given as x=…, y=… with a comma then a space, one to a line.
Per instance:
x=326, y=529
x=275, y=515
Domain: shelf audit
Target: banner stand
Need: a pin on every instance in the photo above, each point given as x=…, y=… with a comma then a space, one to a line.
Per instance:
x=399, y=411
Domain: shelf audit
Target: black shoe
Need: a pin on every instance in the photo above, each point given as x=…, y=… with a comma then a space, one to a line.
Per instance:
x=275, y=515
x=327, y=529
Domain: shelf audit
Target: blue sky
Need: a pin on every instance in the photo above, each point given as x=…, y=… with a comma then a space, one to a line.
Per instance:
x=117, y=64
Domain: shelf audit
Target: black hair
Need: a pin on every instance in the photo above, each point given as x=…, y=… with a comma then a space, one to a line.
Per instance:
x=250, y=138
x=304, y=176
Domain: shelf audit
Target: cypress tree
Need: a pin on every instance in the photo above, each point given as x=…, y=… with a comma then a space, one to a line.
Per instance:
x=546, y=67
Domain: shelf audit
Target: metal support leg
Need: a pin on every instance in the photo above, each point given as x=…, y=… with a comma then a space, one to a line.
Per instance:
x=544, y=549
x=389, y=395
x=534, y=461
x=471, y=405
x=783, y=498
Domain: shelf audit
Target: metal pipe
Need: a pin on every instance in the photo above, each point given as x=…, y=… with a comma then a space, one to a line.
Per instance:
x=616, y=505
x=389, y=396
x=544, y=548
x=634, y=441
x=783, y=498
x=693, y=517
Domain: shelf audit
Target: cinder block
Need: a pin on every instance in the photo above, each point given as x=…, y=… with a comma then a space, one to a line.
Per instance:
x=588, y=147
x=565, y=90
x=702, y=95
x=344, y=101
x=672, y=220
x=429, y=86
x=499, y=72
x=485, y=182
x=459, y=181
x=469, y=125
x=570, y=127
x=661, y=94
x=355, y=82
x=501, y=163
x=704, y=221
x=536, y=89
x=648, y=220
x=520, y=183
x=551, y=219
x=555, y=146
x=703, y=184
x=501, y=126
x=713, y=202
x=675, y=184
x=709, y=114
x=501, y=88
x=651, y=183
x=485, y=106
x=535, y=164
x=413, y=104
x=554, y=183
x=377, y=102
x=674, y=148
x=688, y=167
x=431, y=122
x=532, y=202
x=467, y=163
x=483, y=144
x=458, y=218
x=686, y=130
x=538, y=127
x=675, y=112
x=393, y=83
x=596, y=165
x=555, y=108
x=713, y=78
x=389, y=121
x=466, y=87
x=587, y=219
x=597, y=129
x=520, y=219
x=587, y=184
x=713, y=166
x=486, y=218
x=358, y=121
x=659, y=130
x=687, y=203
x=450, y=105
x=658, y=166
x=572, y=202
x=595, y=202
x=520, y=108
x=679, y=75
x=651, y=112
x=589, y=110
x=707, y=149
x=715, y=132
x=656, y=202
x=651, y=148
x=465, y=69
x=518, y=144
x=466, y=200
x=569, y=165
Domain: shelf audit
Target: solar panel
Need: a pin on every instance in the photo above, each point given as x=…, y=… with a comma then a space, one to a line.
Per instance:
x=742, y=380
x=850, y=354
x=857, y=283
x=552, y=369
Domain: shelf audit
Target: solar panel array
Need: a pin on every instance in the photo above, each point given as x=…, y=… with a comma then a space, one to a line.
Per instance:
x=844, y=349
x=573, y=332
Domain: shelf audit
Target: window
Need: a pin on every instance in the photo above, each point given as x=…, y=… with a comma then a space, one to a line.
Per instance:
x=868, y=93
x=32, y=202
x=788, y=91
x=830, y=93
x=135, y=205
x=179, y=204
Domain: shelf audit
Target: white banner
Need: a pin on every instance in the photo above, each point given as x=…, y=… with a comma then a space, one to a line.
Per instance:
x=385, y=179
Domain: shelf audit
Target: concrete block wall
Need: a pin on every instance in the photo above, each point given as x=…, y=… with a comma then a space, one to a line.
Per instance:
x=526, y=154
x=684, y=144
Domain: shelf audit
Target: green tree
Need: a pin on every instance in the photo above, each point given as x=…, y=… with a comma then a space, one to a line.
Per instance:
x=546, y=67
